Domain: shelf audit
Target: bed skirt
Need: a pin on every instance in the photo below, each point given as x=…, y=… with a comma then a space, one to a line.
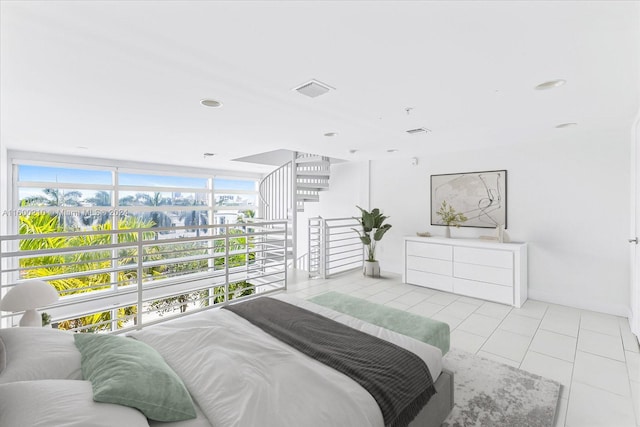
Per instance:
x=440, y=404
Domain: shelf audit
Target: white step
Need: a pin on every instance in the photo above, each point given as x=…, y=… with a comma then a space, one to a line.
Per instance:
x=316, y=183
x=309, y=197
x=312, y=187
x=314, y=174
x=313, y=159
x=322, y=164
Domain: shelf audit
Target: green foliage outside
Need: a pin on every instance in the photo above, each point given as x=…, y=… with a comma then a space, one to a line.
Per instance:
x=93, y=262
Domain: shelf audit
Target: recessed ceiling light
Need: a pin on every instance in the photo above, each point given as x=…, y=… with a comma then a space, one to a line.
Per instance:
x=392, y=150
x=330, y=134
x=211, y=103
x=81, y=147
x=565, y=125
x=551, y=84
x=353, y=151
x=208, y=155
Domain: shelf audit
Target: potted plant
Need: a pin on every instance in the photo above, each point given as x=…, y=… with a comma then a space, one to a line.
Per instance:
x=450, y=217
x=373, y=228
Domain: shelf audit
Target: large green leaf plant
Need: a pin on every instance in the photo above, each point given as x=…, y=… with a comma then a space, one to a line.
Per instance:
x=373, y=228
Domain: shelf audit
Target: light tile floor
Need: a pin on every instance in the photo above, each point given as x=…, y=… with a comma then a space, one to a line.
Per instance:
x=594, y=356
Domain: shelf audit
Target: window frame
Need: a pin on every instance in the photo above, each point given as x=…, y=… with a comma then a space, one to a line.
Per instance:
x=15, y=159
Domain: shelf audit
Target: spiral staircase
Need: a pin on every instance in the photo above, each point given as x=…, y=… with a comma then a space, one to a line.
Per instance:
x=285, y=192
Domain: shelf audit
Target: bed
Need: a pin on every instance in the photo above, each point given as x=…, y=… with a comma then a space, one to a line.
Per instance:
x=233, y=373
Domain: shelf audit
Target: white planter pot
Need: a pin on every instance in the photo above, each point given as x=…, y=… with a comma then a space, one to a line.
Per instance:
x=371, y=268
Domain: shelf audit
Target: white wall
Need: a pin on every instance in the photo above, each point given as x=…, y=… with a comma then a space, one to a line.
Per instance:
x=567, y=198
x=349, y=186
x=4, y=185
x=4, y=203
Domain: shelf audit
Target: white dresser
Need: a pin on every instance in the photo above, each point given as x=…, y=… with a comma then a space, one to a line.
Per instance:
x=477, y=268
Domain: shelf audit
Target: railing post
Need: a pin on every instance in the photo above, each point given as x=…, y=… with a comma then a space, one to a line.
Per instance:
x=309, y=246
x=140, y=273
x=323, y=248
x=294, y=208
x=226, y=262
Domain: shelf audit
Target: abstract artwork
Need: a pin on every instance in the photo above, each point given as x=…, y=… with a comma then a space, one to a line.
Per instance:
x=480, y=196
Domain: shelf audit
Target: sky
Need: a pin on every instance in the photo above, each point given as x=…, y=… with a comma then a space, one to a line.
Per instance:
x=103, y=177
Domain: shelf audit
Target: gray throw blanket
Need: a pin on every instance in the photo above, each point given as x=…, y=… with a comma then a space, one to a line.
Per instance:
x=396, y=378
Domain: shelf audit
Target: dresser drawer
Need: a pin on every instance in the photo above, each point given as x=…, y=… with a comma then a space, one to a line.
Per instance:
x=482, y=273
x=481, y=290
x=490, y=257
x=430, y=280
x=430, y=250
x=430, y=265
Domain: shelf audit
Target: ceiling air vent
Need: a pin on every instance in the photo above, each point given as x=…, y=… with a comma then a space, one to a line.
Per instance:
x=418, y=130
x=313, y=88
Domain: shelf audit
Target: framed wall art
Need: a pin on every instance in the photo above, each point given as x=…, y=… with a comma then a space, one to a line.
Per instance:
x=480, y=196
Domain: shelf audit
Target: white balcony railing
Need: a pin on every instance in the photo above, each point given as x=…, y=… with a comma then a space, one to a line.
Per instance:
x=334, y=246
x=115, y=280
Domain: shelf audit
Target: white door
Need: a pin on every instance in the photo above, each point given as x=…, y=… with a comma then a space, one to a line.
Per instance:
x=634, y=320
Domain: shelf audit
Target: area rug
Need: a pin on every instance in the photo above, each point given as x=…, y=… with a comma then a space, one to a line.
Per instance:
x=488, y=393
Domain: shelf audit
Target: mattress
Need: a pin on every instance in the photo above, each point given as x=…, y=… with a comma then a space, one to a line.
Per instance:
x=264, y=382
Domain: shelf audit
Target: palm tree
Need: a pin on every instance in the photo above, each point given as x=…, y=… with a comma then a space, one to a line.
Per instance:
x=102, y=198
x=194, y=217
x=159, y=218
x=127, y=201
x=155, y=200
x=55, y=197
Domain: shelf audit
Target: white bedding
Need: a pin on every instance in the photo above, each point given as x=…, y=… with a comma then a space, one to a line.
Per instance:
x=241, y=376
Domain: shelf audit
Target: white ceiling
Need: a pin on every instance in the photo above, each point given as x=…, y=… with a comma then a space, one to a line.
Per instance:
x=124, y=78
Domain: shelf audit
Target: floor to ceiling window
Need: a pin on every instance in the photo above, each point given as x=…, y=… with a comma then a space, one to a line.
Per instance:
x=103, y=231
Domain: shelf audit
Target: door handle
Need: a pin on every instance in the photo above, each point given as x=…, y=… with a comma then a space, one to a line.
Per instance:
x=634, y=240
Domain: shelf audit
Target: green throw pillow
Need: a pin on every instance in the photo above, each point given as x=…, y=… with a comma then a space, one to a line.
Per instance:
x=131, y=373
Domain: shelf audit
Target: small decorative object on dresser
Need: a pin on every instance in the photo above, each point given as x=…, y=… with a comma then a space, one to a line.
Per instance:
x=449, y=217
x=501, y=235
x=373, y=228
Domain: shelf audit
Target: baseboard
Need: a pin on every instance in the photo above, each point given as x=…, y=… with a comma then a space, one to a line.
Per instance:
x=621, y=310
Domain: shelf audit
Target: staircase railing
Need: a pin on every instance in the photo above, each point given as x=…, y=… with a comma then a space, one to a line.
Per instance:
x=275, y=191
x=277, y=199
x=333, y=246
x=302, y=262
x=284, y=192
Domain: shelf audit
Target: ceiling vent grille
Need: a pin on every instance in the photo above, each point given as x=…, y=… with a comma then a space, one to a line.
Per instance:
x=417, y=131
x=313, y=88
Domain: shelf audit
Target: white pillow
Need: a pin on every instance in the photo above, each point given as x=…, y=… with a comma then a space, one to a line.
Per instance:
x=39, y=354
x=61, y=403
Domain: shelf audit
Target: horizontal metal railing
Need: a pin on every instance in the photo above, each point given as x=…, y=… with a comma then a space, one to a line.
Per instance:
x=334, y=246
x=115, y=280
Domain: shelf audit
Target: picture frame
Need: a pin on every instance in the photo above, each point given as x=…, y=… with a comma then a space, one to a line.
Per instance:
x=480, y=196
